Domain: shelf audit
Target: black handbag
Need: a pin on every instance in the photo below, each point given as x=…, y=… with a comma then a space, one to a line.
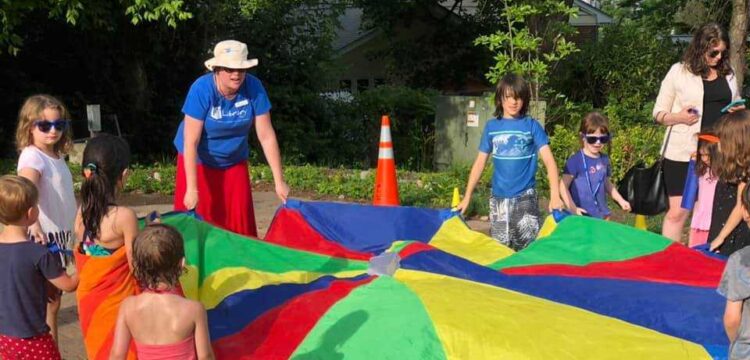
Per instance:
x=643, y=187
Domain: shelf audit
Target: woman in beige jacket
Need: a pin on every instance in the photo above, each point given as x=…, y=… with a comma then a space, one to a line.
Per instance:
x=690, y=100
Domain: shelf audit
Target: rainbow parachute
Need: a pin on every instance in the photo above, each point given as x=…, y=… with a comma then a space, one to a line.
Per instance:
x=334, y=281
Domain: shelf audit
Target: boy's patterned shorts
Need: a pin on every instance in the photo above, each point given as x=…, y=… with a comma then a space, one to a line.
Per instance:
x=514, y=222
x=40, y=347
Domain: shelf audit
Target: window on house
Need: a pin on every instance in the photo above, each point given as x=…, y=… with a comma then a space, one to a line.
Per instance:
x=345, y=85
x=363, y=85
x=379, y=82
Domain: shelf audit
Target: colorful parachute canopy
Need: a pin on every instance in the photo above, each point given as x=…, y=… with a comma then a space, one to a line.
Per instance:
x=590, y=290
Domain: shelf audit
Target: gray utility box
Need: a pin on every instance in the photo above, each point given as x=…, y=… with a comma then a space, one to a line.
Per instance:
x=459, y=121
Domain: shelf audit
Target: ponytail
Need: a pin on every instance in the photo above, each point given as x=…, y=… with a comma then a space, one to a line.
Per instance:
x=97, y=194
x=105, y=158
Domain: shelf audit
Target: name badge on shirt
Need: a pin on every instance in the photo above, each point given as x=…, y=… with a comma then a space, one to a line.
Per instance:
x=241, y=103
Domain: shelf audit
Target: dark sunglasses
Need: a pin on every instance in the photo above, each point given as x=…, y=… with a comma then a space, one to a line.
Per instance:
x=45, y=125
x=714, y=53
x=592, y=139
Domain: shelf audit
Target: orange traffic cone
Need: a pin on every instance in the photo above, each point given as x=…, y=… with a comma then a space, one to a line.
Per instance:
x=386, y=186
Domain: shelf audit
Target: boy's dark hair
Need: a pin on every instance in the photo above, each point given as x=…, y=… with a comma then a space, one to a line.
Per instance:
x=158, y=251
x=17, y=195
x=104, y=159
x=516, y=86
x=746, y=197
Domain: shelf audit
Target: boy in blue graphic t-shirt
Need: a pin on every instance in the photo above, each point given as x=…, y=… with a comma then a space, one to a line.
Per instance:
x=514, y=140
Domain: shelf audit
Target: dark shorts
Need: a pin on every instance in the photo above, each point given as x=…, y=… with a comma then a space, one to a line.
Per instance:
x=675, y=173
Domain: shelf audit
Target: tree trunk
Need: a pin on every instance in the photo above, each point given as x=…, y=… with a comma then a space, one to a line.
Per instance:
x=738, y=38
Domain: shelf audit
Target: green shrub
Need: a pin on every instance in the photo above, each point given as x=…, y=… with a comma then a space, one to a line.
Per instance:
x=620, y=73
x=333, y=133
x=412, y=115
x=156, y=178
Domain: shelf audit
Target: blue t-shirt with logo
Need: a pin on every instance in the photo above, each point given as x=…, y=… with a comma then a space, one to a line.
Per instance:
x=226, y=123
x=589, y=192
x=514, y=146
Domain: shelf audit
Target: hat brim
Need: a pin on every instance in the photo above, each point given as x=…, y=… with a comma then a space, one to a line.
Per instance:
x=244, y=64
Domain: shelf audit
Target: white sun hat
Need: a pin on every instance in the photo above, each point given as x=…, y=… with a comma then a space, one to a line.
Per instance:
x=230, y=54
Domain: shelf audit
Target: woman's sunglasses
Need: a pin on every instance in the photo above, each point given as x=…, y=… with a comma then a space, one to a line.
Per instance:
x=714, y=53
x=228, y=70
x=45, y=125
x=592, y=139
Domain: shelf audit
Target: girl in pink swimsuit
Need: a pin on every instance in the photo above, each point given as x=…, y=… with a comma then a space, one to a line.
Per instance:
x=162, y=323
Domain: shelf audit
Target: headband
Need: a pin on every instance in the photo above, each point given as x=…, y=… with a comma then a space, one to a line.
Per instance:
x=709, y=138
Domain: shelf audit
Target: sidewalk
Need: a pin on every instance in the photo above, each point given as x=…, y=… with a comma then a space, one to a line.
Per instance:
x=69, y=330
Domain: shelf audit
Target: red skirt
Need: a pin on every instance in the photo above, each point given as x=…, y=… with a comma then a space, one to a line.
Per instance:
x=225, y=198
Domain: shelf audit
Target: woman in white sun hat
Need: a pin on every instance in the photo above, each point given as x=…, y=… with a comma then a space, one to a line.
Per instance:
x=212, y=141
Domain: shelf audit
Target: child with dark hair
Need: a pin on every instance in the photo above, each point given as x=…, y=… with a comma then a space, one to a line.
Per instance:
x=515, y=141
x=587, y=172
x=25, y=269
x=102, y=225
x=162, y=323
x=703, y=209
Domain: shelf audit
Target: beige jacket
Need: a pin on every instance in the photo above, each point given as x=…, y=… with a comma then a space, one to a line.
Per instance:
x=679, y=89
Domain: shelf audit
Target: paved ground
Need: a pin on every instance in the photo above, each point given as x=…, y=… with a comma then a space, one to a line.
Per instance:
x=265, y=203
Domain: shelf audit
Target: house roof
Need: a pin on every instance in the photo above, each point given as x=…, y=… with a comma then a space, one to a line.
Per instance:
x=585, y=6
x=350, y=33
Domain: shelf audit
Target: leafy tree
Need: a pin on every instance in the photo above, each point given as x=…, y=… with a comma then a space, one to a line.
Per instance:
x=625, y=66
x=530, y=40
x=142, y=73
x=14, y=13
x=429, y=42
x=658, y=16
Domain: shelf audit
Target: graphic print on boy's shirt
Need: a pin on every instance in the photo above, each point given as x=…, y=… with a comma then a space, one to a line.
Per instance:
x=514, y=146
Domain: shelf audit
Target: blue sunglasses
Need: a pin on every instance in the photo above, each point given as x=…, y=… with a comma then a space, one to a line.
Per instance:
x=45, y=125
x=592, y=139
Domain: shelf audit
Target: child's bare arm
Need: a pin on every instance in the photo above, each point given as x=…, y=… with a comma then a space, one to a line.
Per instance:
x=553, y=176
x=35, y=229
x=202, y=338
x=565, y=193
x=128, y=224
x=734, y=219
x=474, y=176
x=616, y=196
x=121, y=341
x=65, y=282
x=732, y=317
